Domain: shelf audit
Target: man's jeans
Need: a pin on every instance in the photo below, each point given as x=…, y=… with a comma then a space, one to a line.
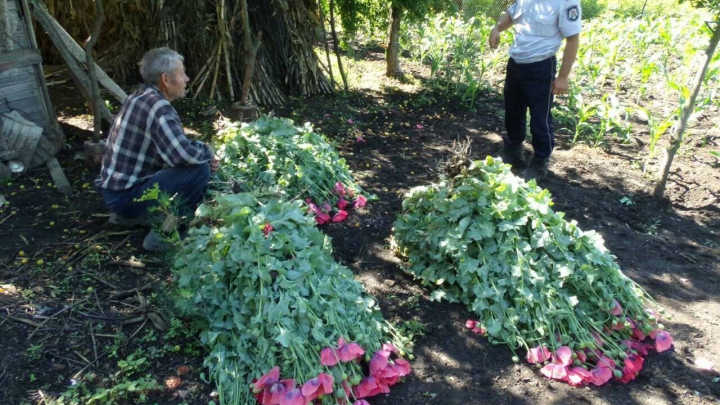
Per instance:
x=528, y=86
x=187, y=184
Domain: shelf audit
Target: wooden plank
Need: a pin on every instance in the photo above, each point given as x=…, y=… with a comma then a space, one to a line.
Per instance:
x=16, y=87
x=19, y=58
x=58, y=177
x=58, y=34
x=22, y=94
x=52, y=127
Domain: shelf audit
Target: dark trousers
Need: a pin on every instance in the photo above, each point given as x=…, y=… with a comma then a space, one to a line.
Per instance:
x=528, y=86
x=187, y=183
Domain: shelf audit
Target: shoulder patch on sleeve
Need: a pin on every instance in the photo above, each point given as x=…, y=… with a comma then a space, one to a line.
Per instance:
x=573, y=13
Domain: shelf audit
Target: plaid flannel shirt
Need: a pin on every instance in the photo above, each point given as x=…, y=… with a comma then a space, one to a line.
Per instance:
x=145, y=137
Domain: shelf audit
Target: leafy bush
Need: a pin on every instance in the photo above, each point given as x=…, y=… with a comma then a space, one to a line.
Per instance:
x=591, y=8
x=489, y=240
x=263, y=276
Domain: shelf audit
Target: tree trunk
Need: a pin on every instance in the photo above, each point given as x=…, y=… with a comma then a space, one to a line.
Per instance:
x=336, y=44
x=687, y=110
x=327, y=48
x=251, y=47
x=95, y=88
x=393, y=50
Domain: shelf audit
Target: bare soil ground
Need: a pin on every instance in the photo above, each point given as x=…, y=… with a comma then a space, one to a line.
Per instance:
x=88, y=296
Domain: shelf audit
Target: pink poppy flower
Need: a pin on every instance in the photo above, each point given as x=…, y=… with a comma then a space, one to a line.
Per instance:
x=294, y=397
x=340, y=216
x=663, y=341
x=350, y=121
x=349, y=351
x=322, y=218
x=419, y=126
x=641, y=348
x=268, y=379
x=379, y=362
x=340, y=189
x=563, y=356
x=633, y=365
x=604, y=361
x=275, y=395
x=342, y=203
x=361, y=402
x=367, y=386
x=327, y=357
x=360, y=201
x=389, y=347
x=359, y=139
x=598, y=340
x=403, y=367
x=470, y=324
x=601, y=375
x=578, y=376
x=320, y=385
x=617, y=309
x=267, y=230
x=480, y=330
x=554, y=371
x=326, y=207
x=538, y=355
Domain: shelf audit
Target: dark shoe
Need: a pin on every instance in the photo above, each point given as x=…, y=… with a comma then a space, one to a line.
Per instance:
x=513, y=156
x=116, y=219
x=538, y=169
x=155, y=242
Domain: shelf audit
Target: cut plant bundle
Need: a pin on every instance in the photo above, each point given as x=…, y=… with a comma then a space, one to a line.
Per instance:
x=286, y=324
x=273, y=152
x=537, y=282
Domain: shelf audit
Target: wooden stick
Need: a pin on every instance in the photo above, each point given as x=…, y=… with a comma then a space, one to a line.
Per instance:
x=55, y=315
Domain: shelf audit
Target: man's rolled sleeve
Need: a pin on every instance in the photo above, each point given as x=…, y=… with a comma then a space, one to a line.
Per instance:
x=570, y=19
x=174, y=147
x=514, y=11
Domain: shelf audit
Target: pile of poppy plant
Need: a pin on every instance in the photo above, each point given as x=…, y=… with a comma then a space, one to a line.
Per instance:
x=538, y=283
x=281, y=314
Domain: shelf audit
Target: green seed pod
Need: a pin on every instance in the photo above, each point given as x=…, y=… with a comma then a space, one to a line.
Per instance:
x=515, y=359
x=661, y=326
x=576, y=362
x=617, y=373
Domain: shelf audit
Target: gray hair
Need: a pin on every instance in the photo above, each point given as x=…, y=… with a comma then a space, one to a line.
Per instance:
x=156, y=62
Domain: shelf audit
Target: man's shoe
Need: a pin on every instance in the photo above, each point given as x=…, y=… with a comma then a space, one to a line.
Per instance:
x=116, y=219
x=154, y=242
x=538, y=169
x=513, y=155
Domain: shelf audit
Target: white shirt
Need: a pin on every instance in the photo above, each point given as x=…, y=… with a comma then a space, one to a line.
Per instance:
x=540, y=27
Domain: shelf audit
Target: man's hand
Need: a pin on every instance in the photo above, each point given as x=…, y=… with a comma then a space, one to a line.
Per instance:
x=494, y=39
x=214, y=165
x=559, y=85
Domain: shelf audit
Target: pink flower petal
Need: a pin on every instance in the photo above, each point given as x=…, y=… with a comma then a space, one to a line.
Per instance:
x=563, y=356
x=538, y=355
x=359, y=139
x=554, y=371
x=601, y=375
x=419, y=126
x=350, y=121
x=581, y=356
x=403, y=367
x=340, y=189
x=479, y=330
x=389, y=347
x=340, y=216
x=293, y=397
x=342, y=203
x=268, y=379
x=360, y=201
x=663, y=341
x=617, y=309
x=327, y=357
x=322, y=218
x=470, y=324
x=361, y=402
x=578, y=376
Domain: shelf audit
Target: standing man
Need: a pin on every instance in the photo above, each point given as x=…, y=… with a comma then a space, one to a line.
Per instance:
x=146, y=145
x=530, y=82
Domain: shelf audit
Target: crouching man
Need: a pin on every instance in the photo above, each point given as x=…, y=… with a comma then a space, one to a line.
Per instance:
x=146, y=145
